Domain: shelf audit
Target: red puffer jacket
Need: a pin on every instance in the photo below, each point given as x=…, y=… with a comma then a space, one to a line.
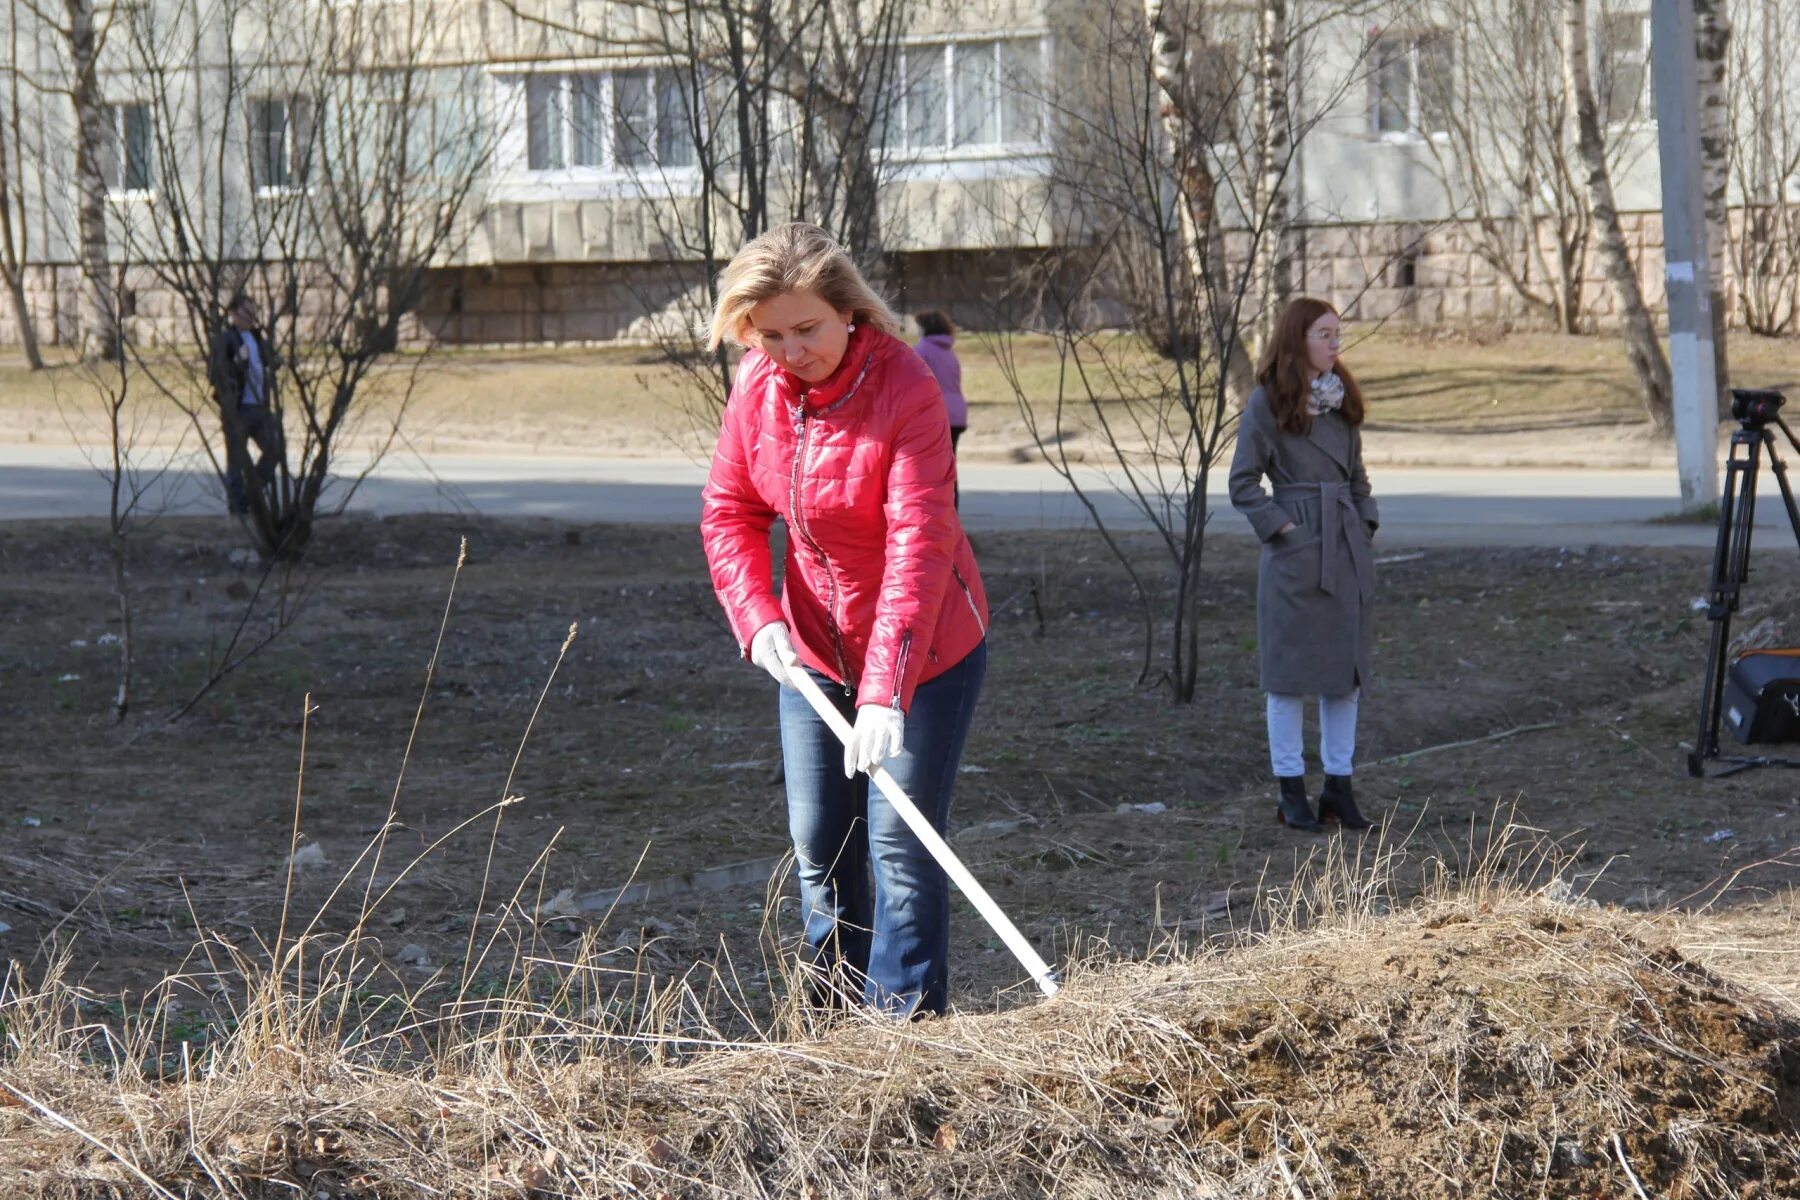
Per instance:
x=880, y=589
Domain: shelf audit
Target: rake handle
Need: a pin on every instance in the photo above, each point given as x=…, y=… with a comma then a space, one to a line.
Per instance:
x=932, y=840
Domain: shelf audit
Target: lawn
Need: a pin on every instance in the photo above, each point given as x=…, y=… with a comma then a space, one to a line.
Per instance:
x=627, y=402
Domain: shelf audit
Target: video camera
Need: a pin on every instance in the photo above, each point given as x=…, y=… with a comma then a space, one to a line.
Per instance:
x=1756, y=407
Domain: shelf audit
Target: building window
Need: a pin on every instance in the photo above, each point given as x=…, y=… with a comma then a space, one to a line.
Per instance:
x=1624, y=66
x=1410, y=83
x=622, y=120
x=281, y=130
x=445, y=123
x=423, y=123
x=128, y=155
x=969, y=96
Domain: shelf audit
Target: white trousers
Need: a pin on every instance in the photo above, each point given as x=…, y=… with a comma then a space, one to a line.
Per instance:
x=1337, y=733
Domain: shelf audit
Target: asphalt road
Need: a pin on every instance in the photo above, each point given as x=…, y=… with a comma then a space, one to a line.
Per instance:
x=1420, y=506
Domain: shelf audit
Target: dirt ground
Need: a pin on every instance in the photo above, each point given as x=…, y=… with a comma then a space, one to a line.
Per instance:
x=649, y=753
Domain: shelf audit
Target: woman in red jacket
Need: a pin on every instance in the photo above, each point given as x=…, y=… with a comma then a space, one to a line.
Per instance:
x=836, y=426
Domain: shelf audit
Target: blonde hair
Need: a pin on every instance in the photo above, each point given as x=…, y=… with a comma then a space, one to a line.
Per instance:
x=795, y=257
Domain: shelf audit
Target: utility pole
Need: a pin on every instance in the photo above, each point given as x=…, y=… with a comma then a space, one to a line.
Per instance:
x=1689, y=286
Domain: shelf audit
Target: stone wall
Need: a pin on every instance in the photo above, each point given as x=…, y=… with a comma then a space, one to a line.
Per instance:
x=1435, y=276
x=979, y=289
x=556, y=303
x=53, y=294
x=52, y=305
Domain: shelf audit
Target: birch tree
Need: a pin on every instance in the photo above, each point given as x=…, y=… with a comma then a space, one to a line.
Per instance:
x=1274, y=267
x=1191, y=122
x=85, y=40
x=81, y=30
x=1649, y=365
x=15, y=227
x=1712, y=35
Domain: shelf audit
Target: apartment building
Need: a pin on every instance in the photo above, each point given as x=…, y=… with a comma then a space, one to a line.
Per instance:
x=610, y=154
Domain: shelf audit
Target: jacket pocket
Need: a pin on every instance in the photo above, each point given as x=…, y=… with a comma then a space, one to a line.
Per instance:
x=1291, y=543
x=1291, y=570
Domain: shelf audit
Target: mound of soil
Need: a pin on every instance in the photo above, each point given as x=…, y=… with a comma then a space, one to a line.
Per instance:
x=1514, y=1048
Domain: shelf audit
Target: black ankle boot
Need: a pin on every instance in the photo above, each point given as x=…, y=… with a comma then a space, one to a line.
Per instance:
x=1293, y=809
x=1338, y=803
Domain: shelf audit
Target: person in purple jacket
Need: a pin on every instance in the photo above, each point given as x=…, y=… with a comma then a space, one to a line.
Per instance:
x=935, y=347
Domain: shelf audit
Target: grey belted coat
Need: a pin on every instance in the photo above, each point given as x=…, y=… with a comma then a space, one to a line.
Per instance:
x=1315, y=585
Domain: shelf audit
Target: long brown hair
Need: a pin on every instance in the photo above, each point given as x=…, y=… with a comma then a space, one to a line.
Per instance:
x=1282, y=371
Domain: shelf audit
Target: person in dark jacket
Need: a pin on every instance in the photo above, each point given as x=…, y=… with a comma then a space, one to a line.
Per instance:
x=937, y=339
x=1315, y=585
x=241, y=366
x=836, y=427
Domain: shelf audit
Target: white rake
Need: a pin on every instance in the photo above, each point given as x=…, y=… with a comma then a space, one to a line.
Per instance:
x=933, y=841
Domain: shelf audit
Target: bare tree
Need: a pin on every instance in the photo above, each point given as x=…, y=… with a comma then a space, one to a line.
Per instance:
x=766, y=111
x=320, y=160
x=80, y=30
x=1712, y=35
x=1507, y=158
x=1274, y=267
x=842, y=80
x=15, y=228
x=115, y=432
x=1763, y=106
x=1167, y=199
x=1643, y=350
x=86, y=42
x=1192, y=120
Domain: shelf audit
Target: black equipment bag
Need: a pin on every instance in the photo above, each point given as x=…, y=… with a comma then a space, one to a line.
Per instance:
x=1762, y=696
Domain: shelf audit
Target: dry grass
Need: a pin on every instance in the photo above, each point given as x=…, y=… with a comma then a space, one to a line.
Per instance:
x=626, y=402
x=1494, y=1036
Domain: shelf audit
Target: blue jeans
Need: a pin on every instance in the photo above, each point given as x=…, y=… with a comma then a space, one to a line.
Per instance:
x=892, y=941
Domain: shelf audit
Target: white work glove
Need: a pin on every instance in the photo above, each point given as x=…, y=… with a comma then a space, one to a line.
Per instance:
x=880, y=734
x=773, y=651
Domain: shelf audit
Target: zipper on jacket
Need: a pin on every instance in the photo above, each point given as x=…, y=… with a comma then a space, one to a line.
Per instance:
x=900, y=666
x=970, y=597
x=797, y=522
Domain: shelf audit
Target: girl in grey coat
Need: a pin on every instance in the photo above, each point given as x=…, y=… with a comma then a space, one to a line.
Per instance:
x=1315, y=585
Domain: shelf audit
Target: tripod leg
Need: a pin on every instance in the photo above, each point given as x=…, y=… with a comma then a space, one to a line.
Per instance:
x=1781, y=480
x=1731, y=557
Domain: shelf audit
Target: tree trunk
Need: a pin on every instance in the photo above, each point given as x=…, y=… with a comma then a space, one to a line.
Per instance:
x=121, y=593
x=1712, y=36
x=1274, y=150
x=99, y=328
x=1642, y=349
x=12, y=242
x=861, y=185
x=1202, y=236
x=28, y=339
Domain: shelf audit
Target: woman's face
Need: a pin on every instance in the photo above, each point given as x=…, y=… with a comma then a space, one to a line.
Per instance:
x=802, y=333
x=1324, y=338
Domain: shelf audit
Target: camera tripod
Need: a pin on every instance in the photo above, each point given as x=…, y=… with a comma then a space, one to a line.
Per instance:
x=1755, y=412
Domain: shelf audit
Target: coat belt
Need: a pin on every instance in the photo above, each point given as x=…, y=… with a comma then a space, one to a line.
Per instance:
x=1334, y=501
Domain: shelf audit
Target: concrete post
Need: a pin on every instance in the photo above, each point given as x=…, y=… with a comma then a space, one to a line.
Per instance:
x=1684, y=248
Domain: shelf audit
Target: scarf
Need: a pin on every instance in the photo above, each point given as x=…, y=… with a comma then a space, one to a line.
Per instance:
x=1327, y=393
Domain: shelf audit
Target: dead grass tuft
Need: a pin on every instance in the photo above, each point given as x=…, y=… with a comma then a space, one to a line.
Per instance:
x=1497, y=1036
